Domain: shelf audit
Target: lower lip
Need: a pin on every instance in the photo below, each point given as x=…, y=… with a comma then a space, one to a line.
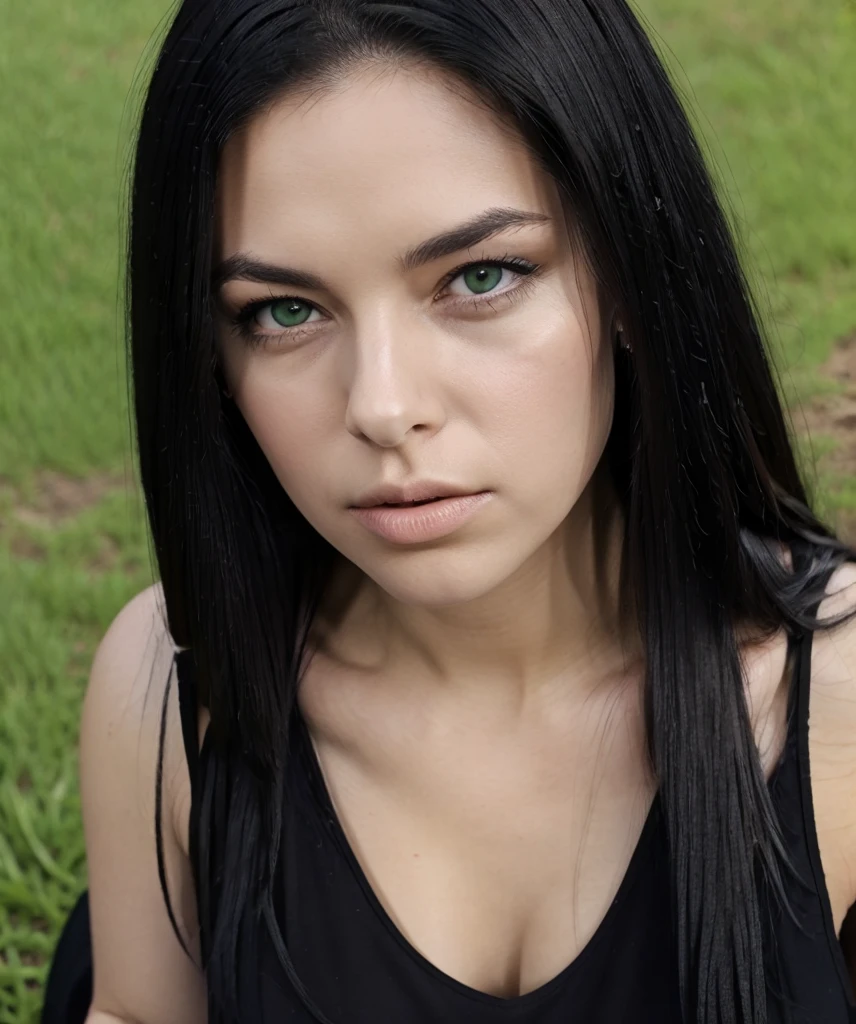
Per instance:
x=421, y=522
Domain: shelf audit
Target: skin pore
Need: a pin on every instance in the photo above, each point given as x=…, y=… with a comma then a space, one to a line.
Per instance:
x=475, y=700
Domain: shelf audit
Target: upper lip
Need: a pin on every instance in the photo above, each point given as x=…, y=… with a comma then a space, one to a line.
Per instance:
x=419, y=490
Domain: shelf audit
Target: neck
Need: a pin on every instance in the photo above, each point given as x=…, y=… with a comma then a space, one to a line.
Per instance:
x=558, y=620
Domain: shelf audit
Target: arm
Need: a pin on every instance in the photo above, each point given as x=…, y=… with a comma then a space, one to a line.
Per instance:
x=141, y=975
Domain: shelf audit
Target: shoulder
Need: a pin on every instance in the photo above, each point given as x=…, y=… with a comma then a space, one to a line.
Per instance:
x=129, y=683
x=131, y=666
x=121, y=775
x=135, y=633
x=832, y=738
x=833, y=682
x=833, y=660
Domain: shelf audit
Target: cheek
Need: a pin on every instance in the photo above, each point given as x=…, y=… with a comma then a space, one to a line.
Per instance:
x=535, y=413
x=551, y=415
x=287, y=427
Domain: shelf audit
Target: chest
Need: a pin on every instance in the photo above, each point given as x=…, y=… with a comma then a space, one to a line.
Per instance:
x=495, y=855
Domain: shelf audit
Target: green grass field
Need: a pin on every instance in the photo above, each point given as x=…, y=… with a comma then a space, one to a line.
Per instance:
x=770, y=82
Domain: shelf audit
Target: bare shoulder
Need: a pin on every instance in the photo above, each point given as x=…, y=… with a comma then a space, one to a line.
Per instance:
x=135, y=640
x=834, y=651
x=138, y=627
x=832, y=740
x=833, y=692
x=130, y=689
x=129, y=676
x=120, y=731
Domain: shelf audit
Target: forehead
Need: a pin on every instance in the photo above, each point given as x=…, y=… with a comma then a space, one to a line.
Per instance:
x=376, y=155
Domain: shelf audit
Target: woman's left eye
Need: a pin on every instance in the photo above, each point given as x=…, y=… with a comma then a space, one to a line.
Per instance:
x=485, y=277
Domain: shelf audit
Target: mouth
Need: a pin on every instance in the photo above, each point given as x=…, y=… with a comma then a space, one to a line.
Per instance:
x=407, y=504
x=412, y=495
x=406, y=522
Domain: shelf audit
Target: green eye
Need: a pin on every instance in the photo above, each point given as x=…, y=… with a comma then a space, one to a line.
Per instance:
x=289, y=312
x=482, y=278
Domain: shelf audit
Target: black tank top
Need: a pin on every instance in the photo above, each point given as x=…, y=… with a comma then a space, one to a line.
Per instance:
x=358, y=968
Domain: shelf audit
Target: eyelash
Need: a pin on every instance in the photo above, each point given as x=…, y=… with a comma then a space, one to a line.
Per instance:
x=241, y=321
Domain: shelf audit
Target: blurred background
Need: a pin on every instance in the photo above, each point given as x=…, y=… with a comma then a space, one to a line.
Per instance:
x=771, y=86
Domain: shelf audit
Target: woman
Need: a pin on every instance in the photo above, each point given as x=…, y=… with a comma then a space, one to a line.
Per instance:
x=536, y=750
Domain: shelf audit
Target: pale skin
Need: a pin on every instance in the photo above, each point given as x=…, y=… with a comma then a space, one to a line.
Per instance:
x=474, y=701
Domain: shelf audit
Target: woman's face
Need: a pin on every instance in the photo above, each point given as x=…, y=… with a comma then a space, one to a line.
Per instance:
x=368, y=368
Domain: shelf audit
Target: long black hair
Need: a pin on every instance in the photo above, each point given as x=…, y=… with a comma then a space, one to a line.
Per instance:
x=700, y=451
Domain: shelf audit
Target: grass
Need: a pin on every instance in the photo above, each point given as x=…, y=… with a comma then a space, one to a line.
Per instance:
x=772, y=80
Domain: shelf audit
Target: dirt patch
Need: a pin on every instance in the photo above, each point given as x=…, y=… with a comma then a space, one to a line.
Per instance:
x=59, y=497
x=834, y=415
x=22, y=546
x=107, y=558
x=48, y=503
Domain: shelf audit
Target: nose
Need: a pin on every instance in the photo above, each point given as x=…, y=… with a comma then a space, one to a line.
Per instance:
x=393, y=384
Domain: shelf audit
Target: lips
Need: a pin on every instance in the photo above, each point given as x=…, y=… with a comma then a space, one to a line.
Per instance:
x=407, y=523
x=406, y=504
x=404, y=495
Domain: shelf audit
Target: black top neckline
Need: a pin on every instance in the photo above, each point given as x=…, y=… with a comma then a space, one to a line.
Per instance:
x=323, y=803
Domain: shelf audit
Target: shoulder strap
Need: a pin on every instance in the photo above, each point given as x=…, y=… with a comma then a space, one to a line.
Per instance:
x=188, y=708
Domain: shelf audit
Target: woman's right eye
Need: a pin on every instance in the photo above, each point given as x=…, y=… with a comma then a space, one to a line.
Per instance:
x=283, y=314
x=261, y=320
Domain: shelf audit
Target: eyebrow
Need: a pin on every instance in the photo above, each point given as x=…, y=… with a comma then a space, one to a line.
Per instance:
x=244, y=267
